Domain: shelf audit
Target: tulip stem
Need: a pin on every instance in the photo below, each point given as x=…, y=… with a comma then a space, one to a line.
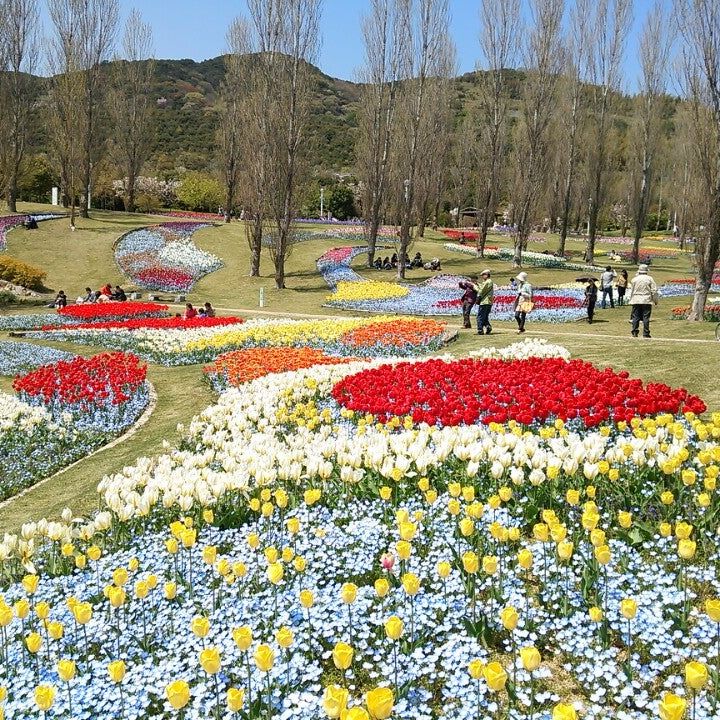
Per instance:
x=532, y=697
x=217, y=697
x=693, y=703
x=397, y=689
x=69, y=698
x=477, y=704
x=269, y=696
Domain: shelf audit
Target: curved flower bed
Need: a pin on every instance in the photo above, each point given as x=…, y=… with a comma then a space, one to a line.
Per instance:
x=296, y=564
x=164, y=257
x=530, y=391
x=63, y=412
x=10, y=222
x=240, y=366
x=440, y=295
x=113, y=311
x=17, y=357
x=681, y=287
x=712, y=311
x=154, y=323
x=533, y=259
x=380, y=336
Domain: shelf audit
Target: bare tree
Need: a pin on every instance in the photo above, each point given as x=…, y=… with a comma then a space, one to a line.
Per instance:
x=376, y=112
x=232, y=95
x=129, y=105
x=700, y=24
x=19, y=38
x=427, y=57
x=64, y=111
x=463, y=163
x=571, y=119
x=543, y=60
x=653, y=62
x=499, y=26
x=608, y=24
x=90, y=26
x=295, y=35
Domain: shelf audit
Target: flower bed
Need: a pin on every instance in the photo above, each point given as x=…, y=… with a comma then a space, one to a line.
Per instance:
x=154, y=323
x=113, y=311
x=200, y=345
x=164, y=257
x=681, y=287
x=367, y=290
x=10, y=222
x=16, y=357
x=290, y=549
x=104, y=393
x=530, y=391
x=64, y=411
x=240, y=366
x=712, y=312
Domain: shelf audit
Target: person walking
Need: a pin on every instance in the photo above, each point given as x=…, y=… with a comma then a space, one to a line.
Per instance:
x=642, y=295
x=485, y=301
x=621, y=285
x=523, y=301
x=591, y=293
x=606, y=285
x=469, y=298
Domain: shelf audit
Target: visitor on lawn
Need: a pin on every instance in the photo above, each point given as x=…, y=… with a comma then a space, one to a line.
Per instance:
x=606, y=285
x=417, y=261
x=89, y=297
x=485, y=301
x=119, y=294
x=190, y=312
x=209, y=310
x=105, y=293
x=591, y=293
x=643, y=294
x=621, y=284
x=523, y=301
x=469, y=298
x=60, y=301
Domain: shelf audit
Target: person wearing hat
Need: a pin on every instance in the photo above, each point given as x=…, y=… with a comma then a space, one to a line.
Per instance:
x=642, y=295
x=484, y=301
x=523, y=301
x=469, y=298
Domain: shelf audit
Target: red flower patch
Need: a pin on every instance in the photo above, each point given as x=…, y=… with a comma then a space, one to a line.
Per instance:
x=114, y=310
x=468, y=391
x=152, y=323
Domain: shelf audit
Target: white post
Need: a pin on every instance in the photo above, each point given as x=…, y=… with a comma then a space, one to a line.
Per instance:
x=262, y=297
x=322, y=203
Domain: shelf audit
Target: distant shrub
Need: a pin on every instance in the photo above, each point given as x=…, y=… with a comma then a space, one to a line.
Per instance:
x=20, y=273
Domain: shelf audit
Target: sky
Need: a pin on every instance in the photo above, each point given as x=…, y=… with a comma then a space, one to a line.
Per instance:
x=196, y=30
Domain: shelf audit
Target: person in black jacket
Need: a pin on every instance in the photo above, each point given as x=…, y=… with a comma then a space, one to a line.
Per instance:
x=469, y=298
x=591, y=293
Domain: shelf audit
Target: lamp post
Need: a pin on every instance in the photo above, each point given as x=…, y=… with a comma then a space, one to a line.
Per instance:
x=322, y=203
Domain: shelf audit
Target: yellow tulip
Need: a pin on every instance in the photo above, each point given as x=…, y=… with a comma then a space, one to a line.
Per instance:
x=208, y=516
x=33, y=642
x=394, y=627
x=665, y=529
x=284, y=637
x=299, y=564
x=475, y=668
x=120, y=577
x=264, y=658
x=686, y=549
x=116, y=671
x=243, y=637
x=683, y=530
x=307, y=599
x=170, y=590
x=530, y=657
x=541, y=532
x=178, y=694
x=66, y=670
x=667, y=498
x=443, y=569
x=335, y=701
x=403, y=549
x=275, y=573
x=467, y=527
x=696, y=675
x=470, y=562
x=44, y=697
x=253, y=541
x=672, y=707
x=342, y=656
x=411, y=584
x=382, y=587
x=597, y=537
x=385, y=492
x=565, y=550
x=82, y=612
x=235, y=699
x=489, y=564
x=525, y=559
x=596, y=614
x=628, y=608
x=55, y=630
x=6, y=614
x=348, y=593
x=356, y=713
x=380, y=702
x=293, y=525
x=602, y=554
x=509, y=618
x=30, y=584
x=572, y=497
x=210, y=660
x=116, y=596
x=712, y=610
x=200, y=626
x=42, y=610
x=564, y=711
x=495, y=676
x=94, y=553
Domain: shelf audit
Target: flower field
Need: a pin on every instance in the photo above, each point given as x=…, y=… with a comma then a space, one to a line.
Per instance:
x=440, y=295
x=164, y=257
x=298, y=558
x=364, y=337
x=712, y=311
x=680, y=287
x=63, y=410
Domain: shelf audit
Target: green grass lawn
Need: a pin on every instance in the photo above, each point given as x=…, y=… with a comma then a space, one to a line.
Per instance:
x=680, y=353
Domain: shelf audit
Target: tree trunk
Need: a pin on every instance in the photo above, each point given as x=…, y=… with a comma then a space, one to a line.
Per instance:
x=12, y=194
x=131, y=194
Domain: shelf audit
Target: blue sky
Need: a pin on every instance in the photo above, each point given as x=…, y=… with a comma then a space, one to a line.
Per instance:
x=193, y=29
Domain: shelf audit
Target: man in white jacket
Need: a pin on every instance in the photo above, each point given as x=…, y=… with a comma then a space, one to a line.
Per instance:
x=642, y=295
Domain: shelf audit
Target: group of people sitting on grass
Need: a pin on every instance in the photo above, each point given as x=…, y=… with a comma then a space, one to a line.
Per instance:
x=204, y=311
x=391, y=263
x=105, y=294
